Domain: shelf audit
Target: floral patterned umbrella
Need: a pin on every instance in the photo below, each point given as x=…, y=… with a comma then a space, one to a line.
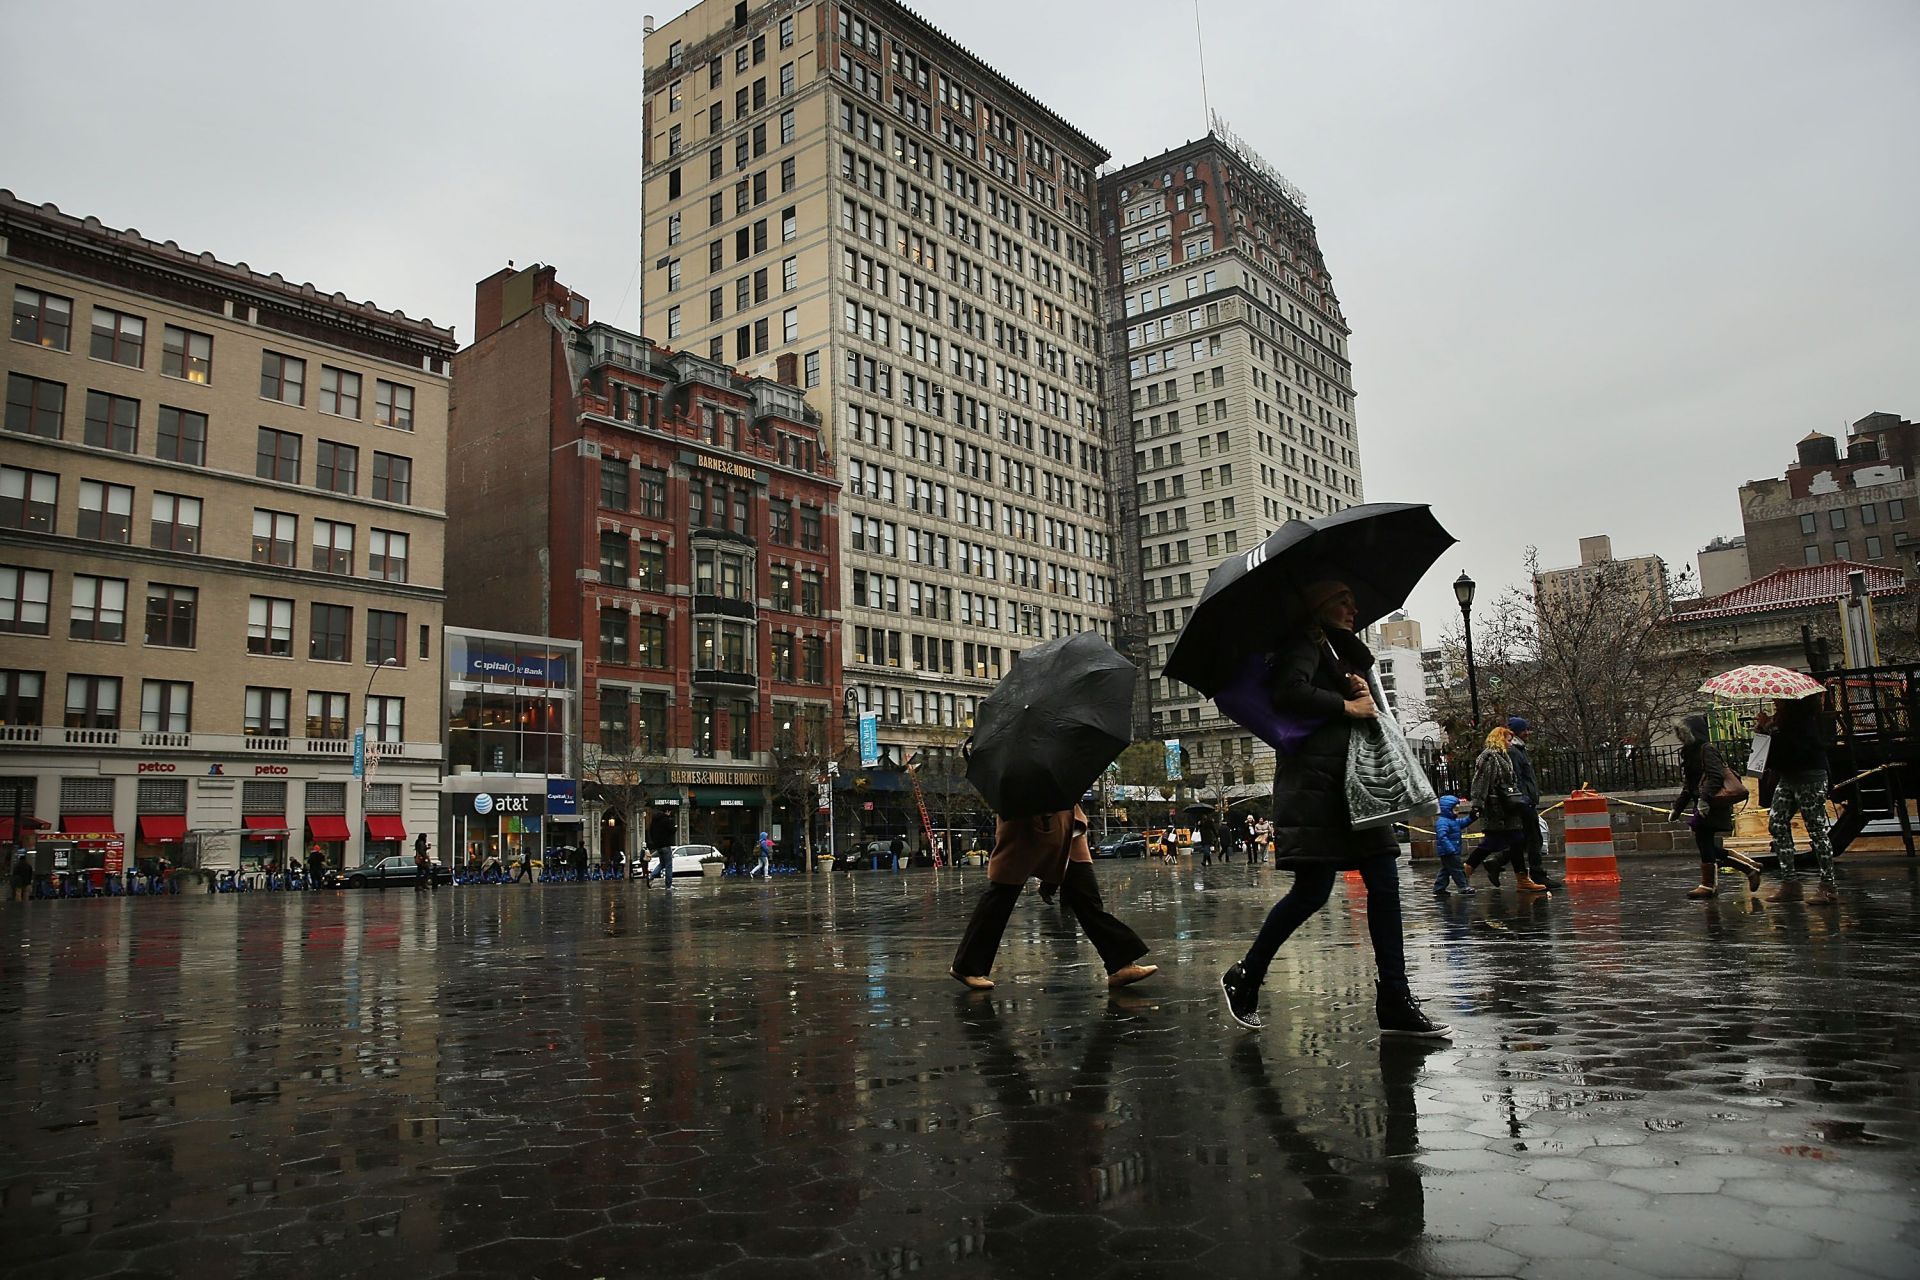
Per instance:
x=1762, y=683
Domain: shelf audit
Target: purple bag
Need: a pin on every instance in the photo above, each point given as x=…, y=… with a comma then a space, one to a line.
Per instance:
x=1247, y=701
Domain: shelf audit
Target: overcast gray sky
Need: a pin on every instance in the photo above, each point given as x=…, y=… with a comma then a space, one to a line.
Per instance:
x=1603, y=262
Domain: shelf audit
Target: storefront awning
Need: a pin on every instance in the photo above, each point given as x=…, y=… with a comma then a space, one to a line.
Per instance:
x=740, y=797
x=88, y=824
x=262, y=826
x=385, y=826
x=166, y=828
x=26, y=825
x=328, y=827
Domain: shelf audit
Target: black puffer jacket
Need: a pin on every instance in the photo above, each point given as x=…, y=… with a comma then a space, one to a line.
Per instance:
x=1801, y=736
x=1311, y=824
x=1702, y=769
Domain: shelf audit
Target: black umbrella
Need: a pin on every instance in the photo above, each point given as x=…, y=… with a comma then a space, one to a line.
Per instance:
x=1041, y=738
x=1380, y=549
x=1198, y=808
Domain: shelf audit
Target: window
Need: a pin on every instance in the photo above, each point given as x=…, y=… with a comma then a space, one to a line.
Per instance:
x=786, y=32
x=387, y=555
x=118, y=337
x=172, y=615
x=613, y=484
x=283, y=378
x=183, y=436
x=653, y=492
x=113, y=422
x=270, y=627
x=274, y=534
x=786, y=174
x=93, y=702
x=787, y=127
x=106, y=511
x=613, y=557
x=780, y=521
x=99, y=609
x=331, y=636
x=789, y=274
x=673, y=237
x=786, y=78
x=277, y=456
x=1873, y=548
x=650, y=642
x=386, y=637
x=810, y=527
x=186, y=354
x=386, y=719
x=22, y=698
x=339, y=392
x=650, y=566
x=176, y=523
x=332, y=546
x=1869, y=514
x=166, y=706
x=392, y=405
x=327, y=716
x=740, y=727
x=673, y=149
x=812, y=362
x=25, y=600
x=392, y=478
x=35, y=407
x=614, y=632
x=336, y=467
x=614, y=738
x=1810, y=555
x=44, y=319
x=28, y=499
x=1896, y=509
x=1837, y=518
x=673, y=322
x=703, y=727
x=789, y=324
x=266, y=712
x=790, y=223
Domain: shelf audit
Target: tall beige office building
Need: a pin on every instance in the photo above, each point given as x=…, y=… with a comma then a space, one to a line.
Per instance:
x=222, y=516
x=839, y=195
x=1232, y=346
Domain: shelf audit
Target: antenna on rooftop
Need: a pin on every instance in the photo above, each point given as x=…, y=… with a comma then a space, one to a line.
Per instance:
x=1200, y=42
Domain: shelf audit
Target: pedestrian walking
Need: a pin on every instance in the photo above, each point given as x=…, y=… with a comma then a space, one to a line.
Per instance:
x=523, y=866
x=316, y=866
x=1447, y=832
x=1710, y=791
x=661, y=830
x=1319, y=680
x=765, y=866
x=1797, y=759
x=423, y=880
x=1203, y=839
x=1531, y=850
x=1052, y=847
x=1496, y=799
x=20, y=877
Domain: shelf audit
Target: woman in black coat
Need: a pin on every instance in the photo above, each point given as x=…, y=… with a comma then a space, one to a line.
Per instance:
x=1703, y=770
x=1318, y=679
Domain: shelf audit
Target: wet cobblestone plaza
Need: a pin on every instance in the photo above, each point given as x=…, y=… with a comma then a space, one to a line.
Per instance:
x=771, y=1080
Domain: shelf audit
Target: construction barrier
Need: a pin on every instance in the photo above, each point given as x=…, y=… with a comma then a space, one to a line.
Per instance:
x=1589, y=829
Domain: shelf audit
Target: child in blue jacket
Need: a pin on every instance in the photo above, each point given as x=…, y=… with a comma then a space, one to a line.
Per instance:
x=1456, y=815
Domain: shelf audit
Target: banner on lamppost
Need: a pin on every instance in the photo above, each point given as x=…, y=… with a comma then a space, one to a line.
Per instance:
x=359, y=753
x=869, y=739
x=826, y=797
x=1174, y=773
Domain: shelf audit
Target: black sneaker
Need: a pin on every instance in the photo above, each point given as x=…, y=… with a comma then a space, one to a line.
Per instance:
x=1493, y=873
x=1400, y=1016
x=1545, y=883
x=1243, y=997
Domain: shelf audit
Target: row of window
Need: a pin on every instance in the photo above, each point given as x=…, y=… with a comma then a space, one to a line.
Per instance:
x=720, y=644
x=166, y=706
x=1868, y=516
x=29, y=501
x=120, y=337
x=711, y=504
x=635, y=722
x=98, y=605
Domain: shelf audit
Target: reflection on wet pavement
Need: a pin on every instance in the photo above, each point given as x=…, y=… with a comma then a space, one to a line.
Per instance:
x=779, y=1080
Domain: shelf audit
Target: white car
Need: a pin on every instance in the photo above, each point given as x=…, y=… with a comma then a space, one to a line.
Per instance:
x=686, y=859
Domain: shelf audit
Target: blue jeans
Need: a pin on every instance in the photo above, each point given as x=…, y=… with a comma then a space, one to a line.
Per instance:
x=1450, y=870
x=1311, y=888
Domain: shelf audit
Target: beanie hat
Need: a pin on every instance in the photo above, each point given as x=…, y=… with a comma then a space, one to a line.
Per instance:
x=1518, y=724
x=1315, y=594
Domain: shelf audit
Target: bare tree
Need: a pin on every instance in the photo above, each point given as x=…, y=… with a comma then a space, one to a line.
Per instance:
x=620, y=776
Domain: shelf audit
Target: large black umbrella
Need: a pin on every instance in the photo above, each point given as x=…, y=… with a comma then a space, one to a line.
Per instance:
x=1380, y=549
x=1041, y=738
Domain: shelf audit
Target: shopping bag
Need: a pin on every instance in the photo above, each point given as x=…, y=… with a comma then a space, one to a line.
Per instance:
x=1385, y=783
x=1757, y=757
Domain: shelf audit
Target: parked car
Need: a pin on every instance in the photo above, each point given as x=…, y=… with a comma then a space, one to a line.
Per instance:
x=866, y=856
x=388, y=872
x=686, y=859
x=1123, y=847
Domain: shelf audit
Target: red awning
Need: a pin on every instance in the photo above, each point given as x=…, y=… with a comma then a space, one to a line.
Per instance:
x=261, y=826
x=328, y=827
x=385, y=826
x=166, y=828
x=26, y=825
x=90, y=824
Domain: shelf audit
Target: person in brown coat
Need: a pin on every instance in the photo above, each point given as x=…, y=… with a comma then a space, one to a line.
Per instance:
x=1053, y=847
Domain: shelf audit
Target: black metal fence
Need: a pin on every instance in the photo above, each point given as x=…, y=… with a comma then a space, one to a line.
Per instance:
x=1561, y=771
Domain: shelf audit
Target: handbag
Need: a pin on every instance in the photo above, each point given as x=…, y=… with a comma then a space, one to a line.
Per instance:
x=1733, y=789
x=1248, y=702
x=1384, y=783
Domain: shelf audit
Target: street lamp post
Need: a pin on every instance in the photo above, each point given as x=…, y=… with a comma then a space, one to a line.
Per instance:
x=366, y=752
x=1463, y=592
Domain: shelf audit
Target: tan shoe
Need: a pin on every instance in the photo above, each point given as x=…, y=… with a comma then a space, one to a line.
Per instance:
x=1824, y=896
x=1701, y=891
x=1131, y=974
x=1789, y=891
x=1528, y=885
x=971, y=982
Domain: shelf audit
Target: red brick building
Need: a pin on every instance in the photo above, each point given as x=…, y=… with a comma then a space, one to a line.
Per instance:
x=678, y=519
